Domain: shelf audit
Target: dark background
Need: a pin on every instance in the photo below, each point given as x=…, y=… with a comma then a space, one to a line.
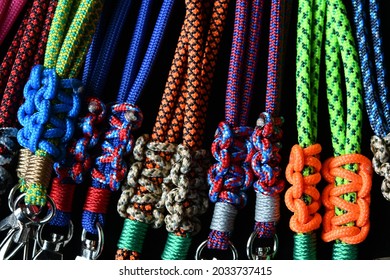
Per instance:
x=377, y=243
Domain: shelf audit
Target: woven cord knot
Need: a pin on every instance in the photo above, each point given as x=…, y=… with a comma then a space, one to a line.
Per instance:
x=145, y=191
x=303, y=198
x=380, y=161
x=353, y=225
x=187, y=198
x=8, y=150
x=229, y=178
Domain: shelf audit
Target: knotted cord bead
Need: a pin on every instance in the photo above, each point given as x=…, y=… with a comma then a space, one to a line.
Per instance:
x=334, y=227
x=265, y=164
x=231, y=176
x=302, y=197
x=380, y=161
x=8, y=150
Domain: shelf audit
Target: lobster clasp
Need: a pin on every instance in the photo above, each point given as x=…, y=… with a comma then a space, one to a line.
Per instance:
x=91, y=249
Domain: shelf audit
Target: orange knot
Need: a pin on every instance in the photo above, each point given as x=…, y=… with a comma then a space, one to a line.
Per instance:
x=355, y=212
x=305, y=217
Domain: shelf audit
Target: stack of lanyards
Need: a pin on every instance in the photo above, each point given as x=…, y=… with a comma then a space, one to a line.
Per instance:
x=9, y=12
x=266, y=140
x=71, y=171
x=27, y=49
x=49, y=111
x=168, y=175
x=232, y=175
x=369, y=39
x=109, y=167
x=347, y=196
x=303, y=170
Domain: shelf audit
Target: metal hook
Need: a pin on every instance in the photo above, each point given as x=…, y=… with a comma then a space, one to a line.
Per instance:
x=91, y=249
x=203, y=245
x=262, y=253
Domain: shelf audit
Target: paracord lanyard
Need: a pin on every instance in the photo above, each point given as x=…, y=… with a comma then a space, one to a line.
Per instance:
x=347, y=196
x=370, y=48
x=303, y=169
x=167, y=175
x=232, y=175
x=77, y=162
x=51, y=105
x=110, y=169
x=266, y=139
x=27, y=49
x=9, y=12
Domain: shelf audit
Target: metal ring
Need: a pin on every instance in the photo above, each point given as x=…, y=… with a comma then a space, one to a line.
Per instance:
x=11, y=194
x=249, y=246
x=100, y=241
x=203, y=245
x=66, y=241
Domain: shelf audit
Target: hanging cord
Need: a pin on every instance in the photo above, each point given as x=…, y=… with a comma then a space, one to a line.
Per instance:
x=110, y=168
x=78, y=161
x=9, y=12
x=347, y=196
x=267, y=135
x=52, y=94
x=232, y=175
x=371, y=56
x=303, y=169
x=27, y=49
x=166, y=174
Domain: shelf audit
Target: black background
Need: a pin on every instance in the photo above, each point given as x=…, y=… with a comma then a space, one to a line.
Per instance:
x=377, y=243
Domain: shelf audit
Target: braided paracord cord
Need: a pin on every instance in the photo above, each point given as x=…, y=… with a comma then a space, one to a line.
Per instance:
x=27, y=49
x=374, y=83
x=52, y=94
x=347, y=196
x=9, y=11
x=303, y=169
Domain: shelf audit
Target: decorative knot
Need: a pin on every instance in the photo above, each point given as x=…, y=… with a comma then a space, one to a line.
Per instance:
x=145, y=191
x=49, y=111
x=303, y=198
x=353, y=224
x=380, y=161
x=110, y=166
x=187, y=198
x=8, y=150
x=266, y=160
x=232, y=175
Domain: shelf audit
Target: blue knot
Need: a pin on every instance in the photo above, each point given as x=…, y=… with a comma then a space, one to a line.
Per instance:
x=231, y=176
x=49, y=111
x=110, y=167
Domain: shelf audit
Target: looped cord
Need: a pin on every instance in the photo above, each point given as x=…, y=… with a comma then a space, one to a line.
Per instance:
x=187, y=198
x=8, y=150
x=231, y=176
x=303, y=198
x=49, y=111
x=356, y=213
x=380, y=161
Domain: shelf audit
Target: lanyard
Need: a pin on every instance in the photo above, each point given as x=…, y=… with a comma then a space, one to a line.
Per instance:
x=266, y=139
x=26, y=50
x=109, y=168
x=167, y=175
x=302, y=171
x=9, y=11
x=374, y=84
x=347, y=195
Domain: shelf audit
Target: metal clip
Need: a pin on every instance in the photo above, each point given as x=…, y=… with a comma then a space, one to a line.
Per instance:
x=203, y=245
x=91, y=249
x=261, y=253
x=51, y=249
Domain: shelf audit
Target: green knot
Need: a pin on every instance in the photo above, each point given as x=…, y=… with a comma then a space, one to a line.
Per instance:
x=36, y=195
x=305, y=246
x=133, y=235
x=344, y=251
x=176, y=247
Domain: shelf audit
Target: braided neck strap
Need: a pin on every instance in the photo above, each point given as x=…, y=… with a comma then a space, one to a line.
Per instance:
x=168, y=175
x=52, y=94
x=9, y=11
x=347, y=195
x=27, y=49
x=303, y=169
